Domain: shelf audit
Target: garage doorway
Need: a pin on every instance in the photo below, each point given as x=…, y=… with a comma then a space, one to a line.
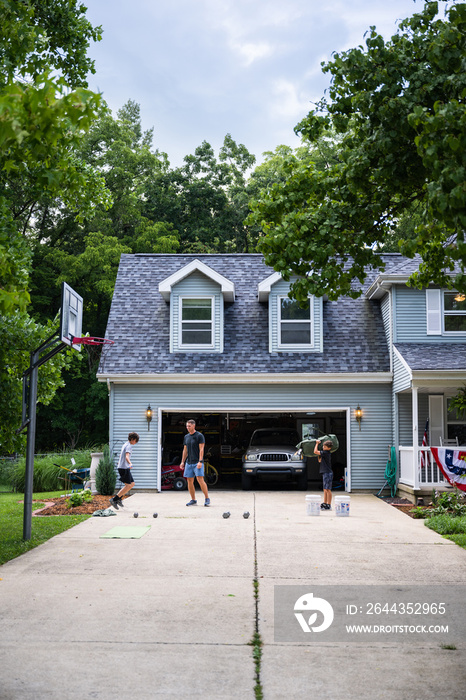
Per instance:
x=227, y=436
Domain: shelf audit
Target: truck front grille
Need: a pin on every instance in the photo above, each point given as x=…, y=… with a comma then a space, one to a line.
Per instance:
x=266, y=457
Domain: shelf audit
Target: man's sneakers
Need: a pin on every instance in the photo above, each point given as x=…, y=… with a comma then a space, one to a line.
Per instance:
x=207, y=502
x=114, y=502
x=325, y=506
x=120, y=502
x=192, y=502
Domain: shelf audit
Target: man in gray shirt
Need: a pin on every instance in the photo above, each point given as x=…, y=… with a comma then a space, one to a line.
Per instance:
x=193, y=458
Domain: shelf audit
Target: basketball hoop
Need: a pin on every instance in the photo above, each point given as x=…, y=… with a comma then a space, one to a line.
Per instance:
x=96, y=355
x=89, y=340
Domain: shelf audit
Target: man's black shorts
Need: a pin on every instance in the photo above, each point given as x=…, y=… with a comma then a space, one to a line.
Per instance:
x=126, y=476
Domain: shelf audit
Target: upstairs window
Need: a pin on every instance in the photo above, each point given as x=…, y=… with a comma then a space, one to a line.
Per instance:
x=294, y=323
x=196, y=317
x=454, y=312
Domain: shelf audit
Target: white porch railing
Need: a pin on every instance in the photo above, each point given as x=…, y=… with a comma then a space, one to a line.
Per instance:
x=418, y=468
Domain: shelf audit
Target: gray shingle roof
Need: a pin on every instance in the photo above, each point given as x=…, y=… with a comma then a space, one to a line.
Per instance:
x=406, y=266
x=139, y=323
x=434, y=356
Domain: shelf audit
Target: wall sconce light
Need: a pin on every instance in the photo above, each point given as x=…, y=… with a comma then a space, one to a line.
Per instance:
x=149, y=414
x=358, y=415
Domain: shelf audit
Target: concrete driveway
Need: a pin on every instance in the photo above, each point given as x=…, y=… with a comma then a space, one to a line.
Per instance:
x=173, y=613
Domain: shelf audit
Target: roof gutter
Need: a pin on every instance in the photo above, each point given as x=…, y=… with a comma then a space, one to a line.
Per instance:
x=257, y=378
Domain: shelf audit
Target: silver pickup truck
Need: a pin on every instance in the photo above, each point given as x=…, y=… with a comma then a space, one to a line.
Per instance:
x=272, y=452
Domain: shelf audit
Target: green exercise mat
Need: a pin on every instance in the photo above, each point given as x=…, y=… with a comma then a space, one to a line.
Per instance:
x=126, y=533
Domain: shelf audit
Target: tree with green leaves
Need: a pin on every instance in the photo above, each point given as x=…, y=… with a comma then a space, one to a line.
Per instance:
x=399, y=108
x=205, y=199
x=19, y=334
x=86, y=255
x=44, y=110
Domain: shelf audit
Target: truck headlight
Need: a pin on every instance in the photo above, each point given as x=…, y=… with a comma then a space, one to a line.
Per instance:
x=250, y=458
x=297, y=456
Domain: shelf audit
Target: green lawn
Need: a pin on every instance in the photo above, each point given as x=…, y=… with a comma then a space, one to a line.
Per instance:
x=11, y=524
x=452, y=528
x=458, y=539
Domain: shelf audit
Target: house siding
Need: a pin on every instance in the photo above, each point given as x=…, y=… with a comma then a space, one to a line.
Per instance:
x=405, y=417
x=385, y=308
x=401, y=376
x=368, y=446
x=411, y=319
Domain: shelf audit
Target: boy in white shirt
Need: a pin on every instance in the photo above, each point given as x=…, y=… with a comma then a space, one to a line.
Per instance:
x=124, y=470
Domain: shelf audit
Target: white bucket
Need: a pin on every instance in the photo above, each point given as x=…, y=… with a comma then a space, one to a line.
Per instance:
x=313, y=505
x=342, y=506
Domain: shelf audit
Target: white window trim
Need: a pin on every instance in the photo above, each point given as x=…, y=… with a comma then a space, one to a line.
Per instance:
x=435, y=314
x=196, y=346
x=450, y=313
x=294, y=346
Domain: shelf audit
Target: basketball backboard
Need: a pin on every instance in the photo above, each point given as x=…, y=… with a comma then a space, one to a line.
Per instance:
x=71, y=316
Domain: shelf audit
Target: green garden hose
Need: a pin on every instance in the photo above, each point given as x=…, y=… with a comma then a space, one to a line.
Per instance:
x=390, y=472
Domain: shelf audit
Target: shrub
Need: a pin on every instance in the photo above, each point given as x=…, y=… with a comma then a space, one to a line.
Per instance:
x=79, y=497
x=419, y=512
x=448, y=502
x=105, y=477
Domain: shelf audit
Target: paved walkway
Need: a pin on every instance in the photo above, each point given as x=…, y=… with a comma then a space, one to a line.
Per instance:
x=172, y=614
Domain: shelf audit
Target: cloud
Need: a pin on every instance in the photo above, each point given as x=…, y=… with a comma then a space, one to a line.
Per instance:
x=251, y=52
x=202, y=68
x=290, y=100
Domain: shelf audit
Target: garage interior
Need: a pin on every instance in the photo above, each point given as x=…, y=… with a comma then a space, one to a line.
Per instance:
x=227, y=436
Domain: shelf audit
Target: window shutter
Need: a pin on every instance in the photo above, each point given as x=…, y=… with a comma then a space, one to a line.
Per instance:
x=434, y=312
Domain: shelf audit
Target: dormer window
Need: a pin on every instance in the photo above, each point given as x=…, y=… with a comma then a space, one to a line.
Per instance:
x=196, y=294
x=292, y=327
x=196, y=318
x=295, y=323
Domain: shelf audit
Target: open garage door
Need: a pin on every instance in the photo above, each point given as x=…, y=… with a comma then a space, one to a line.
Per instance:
x=228, y=434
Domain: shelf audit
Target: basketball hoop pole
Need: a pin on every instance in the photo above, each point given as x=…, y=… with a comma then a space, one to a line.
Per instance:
x=71, y=313
x=30, y=381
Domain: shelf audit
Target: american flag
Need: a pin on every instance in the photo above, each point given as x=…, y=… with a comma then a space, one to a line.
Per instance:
x=425, y=442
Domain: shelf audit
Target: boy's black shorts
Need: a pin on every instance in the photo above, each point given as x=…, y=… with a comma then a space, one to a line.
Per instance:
x=126, y=476
x=327, y=478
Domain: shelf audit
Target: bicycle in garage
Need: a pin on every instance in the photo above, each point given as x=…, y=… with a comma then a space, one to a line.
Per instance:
x=210, y=472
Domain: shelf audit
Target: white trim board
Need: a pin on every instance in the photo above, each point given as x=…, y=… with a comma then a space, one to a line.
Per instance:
x=245, y=378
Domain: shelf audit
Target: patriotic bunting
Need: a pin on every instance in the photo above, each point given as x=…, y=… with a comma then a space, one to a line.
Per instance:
x=452, y=464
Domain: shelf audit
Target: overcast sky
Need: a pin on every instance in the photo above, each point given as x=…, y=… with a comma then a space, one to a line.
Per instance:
x=203, y=68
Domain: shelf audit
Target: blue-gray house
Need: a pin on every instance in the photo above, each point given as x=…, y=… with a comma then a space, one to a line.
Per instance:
x=216, y=338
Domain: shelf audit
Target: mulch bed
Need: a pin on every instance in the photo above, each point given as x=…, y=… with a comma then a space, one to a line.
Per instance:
x=402, y=504
x=59, y=506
